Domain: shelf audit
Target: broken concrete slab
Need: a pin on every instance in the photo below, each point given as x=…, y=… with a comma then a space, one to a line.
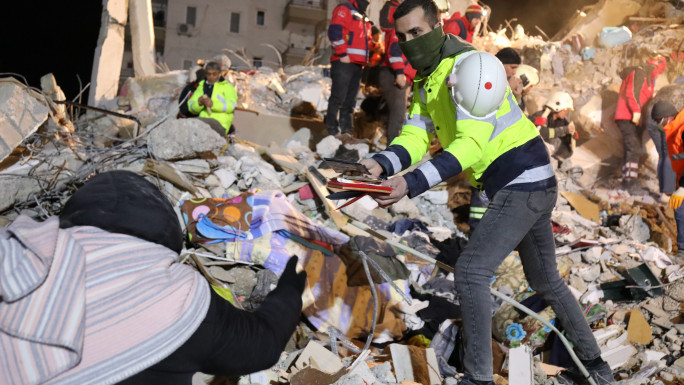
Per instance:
x=158, y=92
x=183, y=139
x=318, y=357
x=21, y=113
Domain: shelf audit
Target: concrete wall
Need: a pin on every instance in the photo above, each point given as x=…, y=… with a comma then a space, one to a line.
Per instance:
x=211, y=34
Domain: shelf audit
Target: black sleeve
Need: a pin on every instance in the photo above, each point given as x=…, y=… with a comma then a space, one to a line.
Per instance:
x=247, y=342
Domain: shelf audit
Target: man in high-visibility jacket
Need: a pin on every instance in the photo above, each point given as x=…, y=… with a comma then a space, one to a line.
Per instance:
x=672, y=121
x=461, y=96
x=214, y=100
x=464, y=26
x=350, y=36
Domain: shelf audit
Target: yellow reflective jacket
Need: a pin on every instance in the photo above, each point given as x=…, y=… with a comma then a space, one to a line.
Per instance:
x=502, y=150
x=224, y=99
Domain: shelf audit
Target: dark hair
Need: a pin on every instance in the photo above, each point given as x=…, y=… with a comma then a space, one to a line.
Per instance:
x=429, y=10
x=663, y=109
x=212, y=65
x=375, y=30
x=508, y=55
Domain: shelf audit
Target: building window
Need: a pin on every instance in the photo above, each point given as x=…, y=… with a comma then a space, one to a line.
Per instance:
x=187, y=64
x=261, y=16
x=257, y=62
x=190, y=16
x=235, y=22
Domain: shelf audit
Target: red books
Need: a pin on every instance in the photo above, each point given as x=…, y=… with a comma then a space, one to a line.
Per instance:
x=346, y=184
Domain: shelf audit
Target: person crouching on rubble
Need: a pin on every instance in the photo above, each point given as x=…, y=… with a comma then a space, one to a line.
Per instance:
x=638, y=84
x=214, y=100
x=672, y=122
x=98, y=296
x=461, y=95
x=554, y=127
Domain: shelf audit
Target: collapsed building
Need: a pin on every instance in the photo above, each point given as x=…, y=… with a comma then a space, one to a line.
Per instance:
x=613, y=249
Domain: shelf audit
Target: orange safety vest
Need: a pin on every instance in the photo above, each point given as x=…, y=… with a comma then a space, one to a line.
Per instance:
x=675, y=143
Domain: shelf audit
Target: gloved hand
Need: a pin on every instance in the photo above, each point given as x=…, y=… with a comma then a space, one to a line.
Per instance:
x=291, y=277
x=677, y=198
x=636, y=118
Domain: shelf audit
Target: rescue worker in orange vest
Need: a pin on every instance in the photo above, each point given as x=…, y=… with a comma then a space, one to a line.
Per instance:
x=350, y=35
x=666, y=115
x=377, y=47
x=637, y=88
x=464, y=26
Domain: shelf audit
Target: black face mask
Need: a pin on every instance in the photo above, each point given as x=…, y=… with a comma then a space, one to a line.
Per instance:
x=362, y=5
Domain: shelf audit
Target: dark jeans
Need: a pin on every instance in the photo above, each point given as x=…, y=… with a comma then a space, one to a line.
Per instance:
x=667, y=179
x=522, y=220
x=395, y=98
x=630, y=140
x=679, y=219
x=346, y=80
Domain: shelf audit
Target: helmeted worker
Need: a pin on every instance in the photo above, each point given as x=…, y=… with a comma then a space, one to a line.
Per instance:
x=529, y=77
x=461, y=96
x=464, y=26
x=350, y=35
x=554, y=126
x=395, y=75
x=214, y=100
x=672, y=122
x=636, y=89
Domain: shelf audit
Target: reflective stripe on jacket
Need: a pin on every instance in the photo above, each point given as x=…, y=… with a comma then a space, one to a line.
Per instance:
x=350, y=34
x=504, y=149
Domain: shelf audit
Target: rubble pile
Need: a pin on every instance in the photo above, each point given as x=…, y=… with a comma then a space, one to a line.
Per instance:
x=616, y=251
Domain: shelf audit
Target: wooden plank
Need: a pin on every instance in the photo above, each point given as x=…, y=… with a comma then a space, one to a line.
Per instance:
x=320, y=189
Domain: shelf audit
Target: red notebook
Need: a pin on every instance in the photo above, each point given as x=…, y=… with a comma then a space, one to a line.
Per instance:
x=346, y=184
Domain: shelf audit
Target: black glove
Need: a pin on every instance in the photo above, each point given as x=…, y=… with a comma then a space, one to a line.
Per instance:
x=291, y=278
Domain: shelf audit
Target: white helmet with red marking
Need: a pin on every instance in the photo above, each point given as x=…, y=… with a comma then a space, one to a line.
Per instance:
x=478, y=83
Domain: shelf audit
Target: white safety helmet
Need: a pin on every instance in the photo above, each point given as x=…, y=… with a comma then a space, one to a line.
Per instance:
x=528, y=74
x=478, y=83
x=559, y=101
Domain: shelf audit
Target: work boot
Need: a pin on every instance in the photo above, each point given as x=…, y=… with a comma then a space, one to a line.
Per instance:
x=598, y=370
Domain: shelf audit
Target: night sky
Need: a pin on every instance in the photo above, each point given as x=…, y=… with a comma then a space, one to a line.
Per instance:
x=38, y=37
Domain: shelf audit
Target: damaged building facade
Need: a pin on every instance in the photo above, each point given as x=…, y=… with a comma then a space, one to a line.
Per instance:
x=379, y=306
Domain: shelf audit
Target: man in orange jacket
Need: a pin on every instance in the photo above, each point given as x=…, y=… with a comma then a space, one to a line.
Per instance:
x=464, y=26
x=350, y=36
x=666, y=115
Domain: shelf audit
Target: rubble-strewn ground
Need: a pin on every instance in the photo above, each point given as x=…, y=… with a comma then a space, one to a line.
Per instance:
x=604, y=235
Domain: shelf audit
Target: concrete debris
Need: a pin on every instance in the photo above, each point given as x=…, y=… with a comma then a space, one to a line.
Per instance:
x=183, y=139
x=616, y=249
x=22, y=111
